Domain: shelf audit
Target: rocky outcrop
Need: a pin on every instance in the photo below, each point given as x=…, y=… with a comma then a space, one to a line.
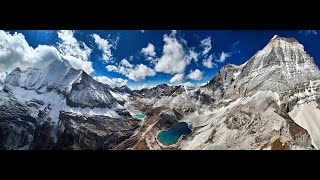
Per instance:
x=95, y=132
x=89, y=93
x=161, y=91
x=124, y=89
x=16, y=126
x=222, y=81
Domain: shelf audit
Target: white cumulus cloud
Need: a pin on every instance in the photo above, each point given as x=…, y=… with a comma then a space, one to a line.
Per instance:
x=140, y=72
x=149, y=51
x=195, y=75
x=112, y=68
x=206, y=45
x=207, y=62
x=173, y=32
x=188, y=85
x=113, y=82
x=223, y=57
x=134, y=72
x=139, y=87
x=15, y=51
x=103, y=45
x=77, y=53
x=178, y=78
x=126, y=63
x=193, y=55
x=173, y=60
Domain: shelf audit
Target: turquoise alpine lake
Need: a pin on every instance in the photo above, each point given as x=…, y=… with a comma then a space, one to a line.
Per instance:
x=173, y=134
x=140, y=116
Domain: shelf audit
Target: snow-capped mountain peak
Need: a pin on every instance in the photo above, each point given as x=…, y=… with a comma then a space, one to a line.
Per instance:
x=78, y=88
x=274, y=37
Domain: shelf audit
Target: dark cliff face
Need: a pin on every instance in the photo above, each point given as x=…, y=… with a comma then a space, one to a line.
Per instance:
x=19, y=130
x=124, y=89
x=224, y=77
x=96, y=132
x=220, y=83
x=16, y=126
x=161, y=90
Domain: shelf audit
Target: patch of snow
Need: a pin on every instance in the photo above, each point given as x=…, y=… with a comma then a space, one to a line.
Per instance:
x=58, y=103
x=307, y=115
x=236, y=74
x=120, y=96
x=274, y=37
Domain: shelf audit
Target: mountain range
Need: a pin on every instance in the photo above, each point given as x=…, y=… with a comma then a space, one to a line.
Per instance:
x=269, y=102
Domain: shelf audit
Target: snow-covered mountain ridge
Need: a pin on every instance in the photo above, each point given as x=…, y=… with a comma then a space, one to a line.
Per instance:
x=43, y=94
x=269, y=102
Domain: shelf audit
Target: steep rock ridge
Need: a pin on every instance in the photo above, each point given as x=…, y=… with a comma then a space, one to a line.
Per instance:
x=89, y=93
x=222, y=81
x=280, y=66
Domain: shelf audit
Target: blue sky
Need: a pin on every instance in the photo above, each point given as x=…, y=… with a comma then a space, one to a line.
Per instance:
x=172, y=57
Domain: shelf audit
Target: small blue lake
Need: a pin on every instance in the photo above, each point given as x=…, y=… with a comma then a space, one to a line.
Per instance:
x=173, y=134
x=140, y=116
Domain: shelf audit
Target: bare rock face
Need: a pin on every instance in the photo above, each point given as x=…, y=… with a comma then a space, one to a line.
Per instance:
x=44, y=137
x=166, y=119
x=282, y=65
x=124, y=89
x=16, y=126
x=222, y=81
x=96, y=132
